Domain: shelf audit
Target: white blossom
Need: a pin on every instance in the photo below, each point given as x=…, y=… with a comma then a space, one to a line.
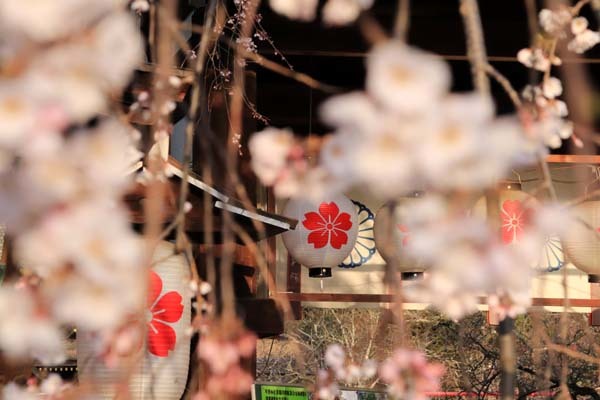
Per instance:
x=46, y=20
x=17, y=113
x=579, y=25
x=13, y=391
x=404, y=79
x=335, y=356
x=92, y=305
x=551, y=130
x=344, y=12
x=552, y=87
x=205, y=288
x=117, y=49
x=52, y=385
x=584, y=41
x=303, y=10
x=381, y=165
x=65, y=76
x=554, y=21
x=355, y=110
x=25, y=332
x=534, y=58
x=270, y=150
x=140, y=6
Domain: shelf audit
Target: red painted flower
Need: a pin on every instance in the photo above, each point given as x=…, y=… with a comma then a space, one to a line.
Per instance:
x=515, y=219
x=163, y=310
x=404, y=234
x=327, y=226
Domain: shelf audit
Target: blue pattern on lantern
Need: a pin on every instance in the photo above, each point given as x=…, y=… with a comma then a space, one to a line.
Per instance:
x=553, y=255
x=364, y=247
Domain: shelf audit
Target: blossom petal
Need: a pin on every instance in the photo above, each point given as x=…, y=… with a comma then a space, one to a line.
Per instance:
x=154, y=287
x=319, y=238
x=329, y=211
x=313, y=221
x=161, y=338
x=343, y=222
x=338, y=238
x=169, y=308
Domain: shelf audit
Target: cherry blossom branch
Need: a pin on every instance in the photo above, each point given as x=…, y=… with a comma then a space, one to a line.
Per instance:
x=532, y=21
x=576, y=9
x=581, y=199
x=547, y=177
x=402, y=23
x=475, y=44
x=236, y=110
x=506, y=85
x=477, y=56
x=371, y=29
x=570, y=352
x=193, y=115
x=281, y=69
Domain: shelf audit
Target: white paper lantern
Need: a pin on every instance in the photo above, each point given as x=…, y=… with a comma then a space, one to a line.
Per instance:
x=581, y=242
x=325, y=234
x=392, y=237
x=163, y=367
x=516, y=211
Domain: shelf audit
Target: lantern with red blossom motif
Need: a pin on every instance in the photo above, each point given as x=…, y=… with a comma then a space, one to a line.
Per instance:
x=159, y=342
x=325, y=234
x=516, y=215
x=582, y=240
x=392, y=237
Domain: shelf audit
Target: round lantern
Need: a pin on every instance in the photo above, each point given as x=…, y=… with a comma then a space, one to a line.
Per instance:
x=395, y=246
x=162, y=370
x=516, y=208
x=325, y=234
x=582, y=243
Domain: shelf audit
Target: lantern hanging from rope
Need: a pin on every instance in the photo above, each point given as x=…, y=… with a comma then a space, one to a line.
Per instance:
x=325, y=234
x=162, y=369
x=515, y=214
x=392, y=237
x=582, y=241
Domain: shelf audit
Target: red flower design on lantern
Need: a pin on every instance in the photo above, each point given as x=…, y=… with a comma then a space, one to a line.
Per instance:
x=515, y=219
x=327, y=226
x=404, y=234
x=161, y=311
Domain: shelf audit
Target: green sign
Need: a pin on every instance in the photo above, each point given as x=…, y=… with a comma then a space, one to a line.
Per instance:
x=279, y=392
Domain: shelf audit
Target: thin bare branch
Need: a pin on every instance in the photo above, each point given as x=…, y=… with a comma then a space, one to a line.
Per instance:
x=506, y=85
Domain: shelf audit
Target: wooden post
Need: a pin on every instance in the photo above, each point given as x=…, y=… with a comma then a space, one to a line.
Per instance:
x=595, y=313
x=294, y=285
x=506, y=338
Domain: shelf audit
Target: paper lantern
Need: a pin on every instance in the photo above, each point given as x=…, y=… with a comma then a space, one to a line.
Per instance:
x=364, y=248
x=516, y=208
x=581, y=242
x=325, y=234
x=392, y=237
x=163, y=367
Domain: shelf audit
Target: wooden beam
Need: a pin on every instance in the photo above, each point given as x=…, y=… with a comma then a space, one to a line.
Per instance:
x=364, y=54
x=242, y=254
x=389, y=298
x=573, y=159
